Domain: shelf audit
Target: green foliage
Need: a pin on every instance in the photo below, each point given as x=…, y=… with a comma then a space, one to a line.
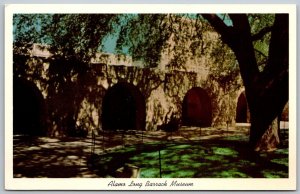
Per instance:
x=80, y=34
x=31, y=28
x=259, y=23
x=224, y=69
x=76, y=36
x=144, y=35
x=147, y=37
x=140, y=34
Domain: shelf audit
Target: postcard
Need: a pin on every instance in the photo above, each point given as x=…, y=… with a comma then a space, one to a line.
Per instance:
x=150, y=97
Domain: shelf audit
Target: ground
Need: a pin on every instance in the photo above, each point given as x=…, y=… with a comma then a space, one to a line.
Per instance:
x=190, y=152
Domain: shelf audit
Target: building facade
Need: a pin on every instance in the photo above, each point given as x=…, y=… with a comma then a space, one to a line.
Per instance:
x=59, y=97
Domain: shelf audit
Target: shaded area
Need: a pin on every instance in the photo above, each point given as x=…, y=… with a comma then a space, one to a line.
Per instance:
x=220, y=158
x=51, y=157
x=65, y=83
x=196, y=108
x=68, y=84
x=189, y=152
x=28, y=108
x=242, y=109
x=123, y=108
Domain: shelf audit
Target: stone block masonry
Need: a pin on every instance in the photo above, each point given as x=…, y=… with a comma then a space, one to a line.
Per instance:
x=80, y=98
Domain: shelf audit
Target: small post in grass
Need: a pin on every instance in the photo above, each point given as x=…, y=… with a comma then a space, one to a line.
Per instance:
x=103, y=143
x=200, y=132
x=123, y=141
x=93, y=143
x=227, y=122
x=159, y=162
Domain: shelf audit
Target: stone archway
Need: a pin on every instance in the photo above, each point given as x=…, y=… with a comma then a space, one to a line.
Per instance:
x=242, y=111
x=28, y=108
x=196, y=108
x=123, y=108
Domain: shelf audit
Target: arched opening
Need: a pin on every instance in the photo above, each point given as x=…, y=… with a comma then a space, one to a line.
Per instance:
x=28, y=109
x=242, y=112
x=196, y=108
x=123, y=108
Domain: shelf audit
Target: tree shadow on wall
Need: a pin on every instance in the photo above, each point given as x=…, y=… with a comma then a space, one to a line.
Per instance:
x=71, y=82
x=65, y=83
x=171, y=123
x=138, y=85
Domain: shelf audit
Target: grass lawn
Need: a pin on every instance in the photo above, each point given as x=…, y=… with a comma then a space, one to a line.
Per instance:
x=226, y=157
x=192, y=153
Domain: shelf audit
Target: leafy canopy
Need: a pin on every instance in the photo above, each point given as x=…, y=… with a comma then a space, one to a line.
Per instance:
x=146, y=37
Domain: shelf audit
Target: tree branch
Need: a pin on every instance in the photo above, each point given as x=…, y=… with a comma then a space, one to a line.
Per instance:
x=262, y=32
x=244, y=49
x=225, y=31
x=279, y=44
x=259, y=52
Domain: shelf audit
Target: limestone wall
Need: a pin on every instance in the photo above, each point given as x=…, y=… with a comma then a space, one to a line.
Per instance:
x=73, y=93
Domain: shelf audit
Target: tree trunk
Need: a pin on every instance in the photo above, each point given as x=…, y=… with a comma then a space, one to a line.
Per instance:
x=270, y=138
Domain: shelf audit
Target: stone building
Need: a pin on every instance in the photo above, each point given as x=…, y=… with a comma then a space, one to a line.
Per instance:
x=61, y=97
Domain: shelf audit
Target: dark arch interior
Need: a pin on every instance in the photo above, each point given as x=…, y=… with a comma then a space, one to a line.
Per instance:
x=123, y=108
x=28, y=108
x=242, y=109
x=196, y=109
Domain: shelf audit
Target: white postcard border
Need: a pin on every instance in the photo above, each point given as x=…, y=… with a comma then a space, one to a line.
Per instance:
x=103, y=183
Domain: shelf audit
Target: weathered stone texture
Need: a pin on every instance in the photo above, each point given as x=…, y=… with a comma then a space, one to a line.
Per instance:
x=73, y=93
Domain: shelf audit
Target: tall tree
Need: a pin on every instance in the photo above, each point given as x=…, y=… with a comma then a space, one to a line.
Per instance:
x=266, y=90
